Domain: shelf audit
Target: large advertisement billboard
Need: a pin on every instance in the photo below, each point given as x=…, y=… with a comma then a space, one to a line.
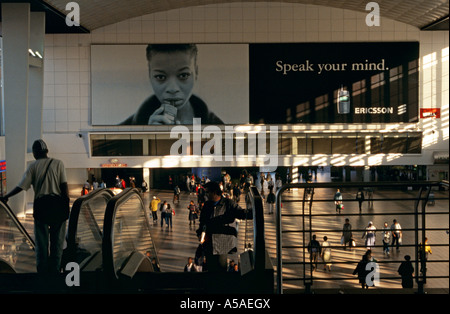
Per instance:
x=297, y=83
x=169, y=84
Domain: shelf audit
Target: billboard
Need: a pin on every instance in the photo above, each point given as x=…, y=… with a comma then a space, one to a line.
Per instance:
x=279, y=83
x=210, y=83
x=334, y=83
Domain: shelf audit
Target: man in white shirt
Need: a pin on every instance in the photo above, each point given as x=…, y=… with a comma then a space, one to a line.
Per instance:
x=396, y=234
x=47, y=176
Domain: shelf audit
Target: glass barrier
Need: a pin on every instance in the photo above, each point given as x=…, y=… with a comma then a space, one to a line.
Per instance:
x=16, y=246
x=126, y=232
x=85, y=229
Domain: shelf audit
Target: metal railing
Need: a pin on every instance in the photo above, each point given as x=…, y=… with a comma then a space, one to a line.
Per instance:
x=255, y=204
x=307, y=213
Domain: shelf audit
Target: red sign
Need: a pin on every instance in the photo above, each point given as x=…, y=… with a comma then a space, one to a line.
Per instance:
x=2, y=165
x=430, y=113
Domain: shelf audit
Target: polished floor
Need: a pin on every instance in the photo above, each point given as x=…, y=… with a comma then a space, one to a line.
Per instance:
x=175, y=244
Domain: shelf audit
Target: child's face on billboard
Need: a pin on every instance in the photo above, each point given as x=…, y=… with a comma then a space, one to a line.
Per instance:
x=172, y=76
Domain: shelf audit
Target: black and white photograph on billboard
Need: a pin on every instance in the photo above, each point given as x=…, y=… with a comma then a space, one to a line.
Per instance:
x=163, y=84
x=297, y=83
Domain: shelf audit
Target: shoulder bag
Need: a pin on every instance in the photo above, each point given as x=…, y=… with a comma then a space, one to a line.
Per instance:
x=51, y=208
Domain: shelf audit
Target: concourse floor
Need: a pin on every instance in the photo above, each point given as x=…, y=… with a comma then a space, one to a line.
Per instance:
x=326, y=222
x=175, y=244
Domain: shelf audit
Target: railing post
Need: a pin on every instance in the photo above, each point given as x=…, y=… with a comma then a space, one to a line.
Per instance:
x=279, y=240
x=416, y=238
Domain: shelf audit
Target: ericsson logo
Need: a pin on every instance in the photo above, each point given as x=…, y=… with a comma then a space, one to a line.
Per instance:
x=374, y=110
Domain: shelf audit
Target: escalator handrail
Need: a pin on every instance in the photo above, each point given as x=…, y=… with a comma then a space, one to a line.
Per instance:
x=18, y=224
x=108, y=229
x=259, y=244
x=75, y=212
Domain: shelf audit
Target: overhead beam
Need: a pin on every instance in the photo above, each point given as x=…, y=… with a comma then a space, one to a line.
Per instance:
x=438, y=25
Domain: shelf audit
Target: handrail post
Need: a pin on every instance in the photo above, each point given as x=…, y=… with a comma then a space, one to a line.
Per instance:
x=258, y=230
x=278, y=240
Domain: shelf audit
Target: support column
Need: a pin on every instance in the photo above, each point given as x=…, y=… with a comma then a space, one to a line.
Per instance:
x=146, y=176
x=36, y=78
x=367, y=174
x=16, y=34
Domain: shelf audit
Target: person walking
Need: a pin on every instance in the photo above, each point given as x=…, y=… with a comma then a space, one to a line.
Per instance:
x=176, y=194
x=326, y=254
x=144, y=186
x=315, y=251
x=338, y=201
x=406, y=271
x=162, y=209
x=271, y=200
x=369, y=234
x=370, y=197
x=360, y=198
x=386, y=239
x=47, y=176
x=396, y=234
x=361, y=271
x=347, y=235
x=168, y=213
x=424, y=250
x=193, y=213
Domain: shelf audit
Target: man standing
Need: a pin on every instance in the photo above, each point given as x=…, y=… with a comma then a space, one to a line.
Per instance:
x=217, y=224
x=154, y=208
x=48, y=176
x=396, y=234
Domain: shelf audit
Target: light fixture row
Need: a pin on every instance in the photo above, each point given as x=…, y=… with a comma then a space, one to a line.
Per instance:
x=35, y=54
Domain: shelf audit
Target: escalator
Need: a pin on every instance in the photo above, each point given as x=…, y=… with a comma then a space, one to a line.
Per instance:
x=85, y=230
x=109, y=237
x=128, y=251
x=17, y=253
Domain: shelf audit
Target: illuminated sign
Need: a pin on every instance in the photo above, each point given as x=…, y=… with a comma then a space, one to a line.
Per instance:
x=2, y=165
x=114, y=163
x=430, y=113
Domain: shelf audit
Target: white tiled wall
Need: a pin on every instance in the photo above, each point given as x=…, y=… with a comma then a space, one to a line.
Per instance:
x=67, y=56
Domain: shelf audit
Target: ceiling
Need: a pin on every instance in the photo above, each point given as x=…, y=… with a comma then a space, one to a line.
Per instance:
x=423, y=14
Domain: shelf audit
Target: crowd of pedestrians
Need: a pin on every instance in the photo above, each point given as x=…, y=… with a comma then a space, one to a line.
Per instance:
x=321, y=251
x=391, y=239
